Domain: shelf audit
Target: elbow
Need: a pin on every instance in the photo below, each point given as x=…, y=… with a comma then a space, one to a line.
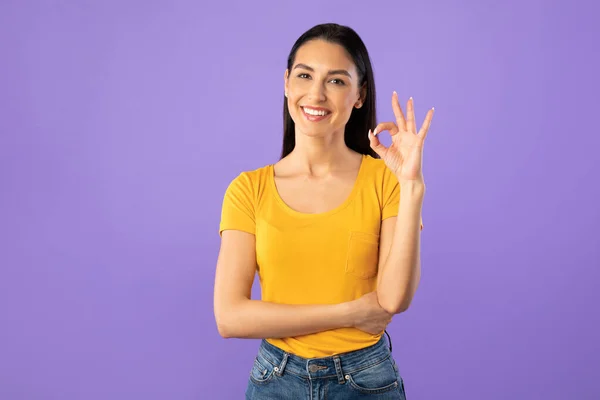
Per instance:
x=225, y=324
x=230, y=321
x=395, y=306
x=225, y=330
x=396, y=301
x=394, y=309
x=402, y=307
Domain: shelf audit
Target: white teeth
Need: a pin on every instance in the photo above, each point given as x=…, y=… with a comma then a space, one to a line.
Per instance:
x=314, y=112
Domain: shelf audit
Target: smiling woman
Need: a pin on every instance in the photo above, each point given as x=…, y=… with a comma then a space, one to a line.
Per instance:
x=333, y=229
x=329, y=53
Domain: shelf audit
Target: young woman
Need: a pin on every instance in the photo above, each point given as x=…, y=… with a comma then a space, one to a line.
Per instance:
x=333, y=229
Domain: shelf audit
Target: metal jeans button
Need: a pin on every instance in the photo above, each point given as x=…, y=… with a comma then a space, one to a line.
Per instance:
x=313, y=368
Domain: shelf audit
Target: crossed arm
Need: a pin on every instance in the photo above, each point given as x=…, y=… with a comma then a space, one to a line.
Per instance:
x=237, y=315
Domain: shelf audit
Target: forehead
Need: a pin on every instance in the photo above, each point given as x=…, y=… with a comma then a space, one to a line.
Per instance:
x=322, y=55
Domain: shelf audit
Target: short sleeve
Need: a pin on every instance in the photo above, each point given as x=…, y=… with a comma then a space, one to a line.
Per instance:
x=391, y=197
x=238, y=209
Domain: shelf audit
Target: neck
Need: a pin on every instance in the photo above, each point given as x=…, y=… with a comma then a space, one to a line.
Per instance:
x=321, y=155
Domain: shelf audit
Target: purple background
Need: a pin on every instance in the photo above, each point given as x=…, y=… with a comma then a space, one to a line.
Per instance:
x=122, y=123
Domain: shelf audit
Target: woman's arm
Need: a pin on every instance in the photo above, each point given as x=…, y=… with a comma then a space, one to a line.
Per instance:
x=399, y=267
x=400, y=237
x=240, y=317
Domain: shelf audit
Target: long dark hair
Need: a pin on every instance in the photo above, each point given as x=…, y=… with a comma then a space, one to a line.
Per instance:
x=362, y=119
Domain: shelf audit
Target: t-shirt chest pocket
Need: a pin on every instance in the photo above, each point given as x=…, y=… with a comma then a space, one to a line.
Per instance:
x=363, y=254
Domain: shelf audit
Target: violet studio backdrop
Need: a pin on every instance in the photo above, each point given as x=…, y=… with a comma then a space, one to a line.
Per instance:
x=122, y=123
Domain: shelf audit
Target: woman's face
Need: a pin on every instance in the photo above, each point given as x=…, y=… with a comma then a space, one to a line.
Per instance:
x=322, y=88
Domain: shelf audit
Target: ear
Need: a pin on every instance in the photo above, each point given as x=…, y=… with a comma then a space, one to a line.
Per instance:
x=363, y=93
x=286, y=76
x=362, y=96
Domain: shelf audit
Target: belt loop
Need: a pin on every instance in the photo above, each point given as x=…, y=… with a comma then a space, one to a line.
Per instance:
x=279, y=370
x=338, y=370
x=389, y=339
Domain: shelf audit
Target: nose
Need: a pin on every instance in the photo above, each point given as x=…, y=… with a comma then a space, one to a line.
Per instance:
x=317, y=91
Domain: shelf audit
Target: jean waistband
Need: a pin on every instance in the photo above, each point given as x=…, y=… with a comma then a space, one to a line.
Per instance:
x=325, y=367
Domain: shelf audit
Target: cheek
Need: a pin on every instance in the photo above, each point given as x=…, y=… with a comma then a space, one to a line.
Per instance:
x=346, y=105
x=292, y=103
x=293, y=108
x=351, y=100
x=345, y=100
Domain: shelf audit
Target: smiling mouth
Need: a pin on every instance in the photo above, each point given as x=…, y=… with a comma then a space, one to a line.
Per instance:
x=315, y=114
x=315, y=111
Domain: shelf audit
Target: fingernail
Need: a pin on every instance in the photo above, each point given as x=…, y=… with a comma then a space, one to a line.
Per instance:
x=411, y=98
x=396, y=94
x=370, y=134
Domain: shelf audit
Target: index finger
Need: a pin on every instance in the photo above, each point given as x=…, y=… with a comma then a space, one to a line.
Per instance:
x=400, y=120
x=386, y=126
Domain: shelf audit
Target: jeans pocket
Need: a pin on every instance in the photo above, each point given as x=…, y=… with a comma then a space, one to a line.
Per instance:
x=363, y=254
x=376, y=379
x=262, y=371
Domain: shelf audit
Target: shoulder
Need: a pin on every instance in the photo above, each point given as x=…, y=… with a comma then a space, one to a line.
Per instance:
x=378, y=173
x=249, y=182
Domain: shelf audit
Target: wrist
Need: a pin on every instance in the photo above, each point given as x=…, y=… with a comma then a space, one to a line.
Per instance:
x=414, y=188
x=347, y=314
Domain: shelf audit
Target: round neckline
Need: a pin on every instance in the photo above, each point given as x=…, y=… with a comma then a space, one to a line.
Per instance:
x=345, y=203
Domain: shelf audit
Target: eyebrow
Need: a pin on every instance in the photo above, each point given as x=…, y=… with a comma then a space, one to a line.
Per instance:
x=333, y=72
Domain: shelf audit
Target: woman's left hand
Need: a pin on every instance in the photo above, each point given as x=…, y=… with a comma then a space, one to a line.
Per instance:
x=405, y=155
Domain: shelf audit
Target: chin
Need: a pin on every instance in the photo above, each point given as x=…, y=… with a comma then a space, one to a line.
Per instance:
x=313, y=132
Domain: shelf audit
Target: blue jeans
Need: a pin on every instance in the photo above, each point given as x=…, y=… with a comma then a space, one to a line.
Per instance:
x=369, y=373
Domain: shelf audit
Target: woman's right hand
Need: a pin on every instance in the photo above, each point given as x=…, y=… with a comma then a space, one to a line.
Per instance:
x=368, y=315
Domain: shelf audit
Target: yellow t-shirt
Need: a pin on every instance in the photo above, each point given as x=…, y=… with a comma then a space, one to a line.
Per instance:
x=325, y=258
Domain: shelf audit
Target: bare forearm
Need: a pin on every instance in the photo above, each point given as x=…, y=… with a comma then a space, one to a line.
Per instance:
x=401, y=272
x=255, y=319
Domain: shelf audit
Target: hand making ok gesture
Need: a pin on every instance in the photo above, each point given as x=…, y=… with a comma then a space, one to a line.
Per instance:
x=405, y=155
